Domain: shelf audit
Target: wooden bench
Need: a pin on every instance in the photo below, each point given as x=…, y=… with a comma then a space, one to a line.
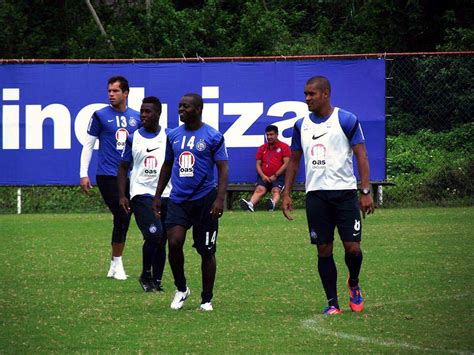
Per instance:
x=233, y=188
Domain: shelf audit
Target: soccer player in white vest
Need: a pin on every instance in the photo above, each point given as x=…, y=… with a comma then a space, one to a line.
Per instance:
x=111, y=125
x=145, y=152
x=327, y=139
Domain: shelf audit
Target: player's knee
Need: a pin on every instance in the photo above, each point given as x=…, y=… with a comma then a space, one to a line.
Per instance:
x=324, y=250
x=119, y=233
x=206, y=253
x=153, y=238
x=174, y=243
x=119, y=236
x=352, y=248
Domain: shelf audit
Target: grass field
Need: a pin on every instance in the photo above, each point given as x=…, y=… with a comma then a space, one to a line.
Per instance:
x=417, y=278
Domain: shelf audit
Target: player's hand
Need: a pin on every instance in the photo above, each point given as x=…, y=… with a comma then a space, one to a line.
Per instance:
x=217, y=209
x=125, y=204
x=156, y=207
x=366, y=204
x=272, y=178
x=287, y=206
x=266, y=178
x=85, y=184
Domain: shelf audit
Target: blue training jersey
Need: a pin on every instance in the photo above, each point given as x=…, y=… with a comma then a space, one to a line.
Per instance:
x=349, y=124
x=194, y=154
x=112, y=128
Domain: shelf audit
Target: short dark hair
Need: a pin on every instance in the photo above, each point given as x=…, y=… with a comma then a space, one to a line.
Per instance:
x=153, y=100
x=196, y=98
x=122, y=80
x=271, y=128
x=321, y=82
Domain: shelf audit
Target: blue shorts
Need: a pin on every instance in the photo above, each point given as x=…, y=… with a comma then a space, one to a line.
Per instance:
x=150, y=226
x=279, y=182
x=196, y=214
x=326, y=210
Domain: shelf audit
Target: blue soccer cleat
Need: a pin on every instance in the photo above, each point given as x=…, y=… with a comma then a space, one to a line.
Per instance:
x=356, y=302
x=331, y=310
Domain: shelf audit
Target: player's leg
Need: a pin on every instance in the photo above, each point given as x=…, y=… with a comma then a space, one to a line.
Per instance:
x=177, y=223
x=121, y=220
x=205, y=231
x=321, y=224
x=159, y=260
x=350, y=229
x=152, y=231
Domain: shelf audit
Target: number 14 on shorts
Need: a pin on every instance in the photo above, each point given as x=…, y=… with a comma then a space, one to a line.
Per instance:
x=211, y=240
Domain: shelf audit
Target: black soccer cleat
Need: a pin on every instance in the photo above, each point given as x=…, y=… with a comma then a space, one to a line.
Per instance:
x=146, y=284
x=157, y=286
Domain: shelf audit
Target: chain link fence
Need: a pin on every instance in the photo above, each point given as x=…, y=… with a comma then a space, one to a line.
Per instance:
x=430, y=129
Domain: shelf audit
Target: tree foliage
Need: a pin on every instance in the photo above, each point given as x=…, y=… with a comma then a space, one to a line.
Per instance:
x=66, y=29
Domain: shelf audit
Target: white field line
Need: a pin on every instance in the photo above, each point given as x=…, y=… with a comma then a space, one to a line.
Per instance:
x=315, y=324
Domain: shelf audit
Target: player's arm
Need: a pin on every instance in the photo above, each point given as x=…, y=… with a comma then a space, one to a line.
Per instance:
x=282, y=169
x=165, y=175
x=365, y=201
x=86, y=156
x=290, y=175
x=217, y=208
x=122, y=175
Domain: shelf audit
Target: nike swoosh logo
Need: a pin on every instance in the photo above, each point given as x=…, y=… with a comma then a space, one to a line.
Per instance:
x=316, y=137
x=355, y=234
x=176, y=141
x=150, y=150
x=110, y=120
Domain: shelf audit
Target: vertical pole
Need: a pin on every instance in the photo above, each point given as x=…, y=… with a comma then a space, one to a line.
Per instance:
x=18, y=201
x=380, y=195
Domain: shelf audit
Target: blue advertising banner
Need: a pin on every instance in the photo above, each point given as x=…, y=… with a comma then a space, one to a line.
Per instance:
x=45, y=108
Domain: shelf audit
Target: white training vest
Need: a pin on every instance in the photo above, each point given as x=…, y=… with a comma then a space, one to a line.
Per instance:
x=327, y=154
x=148, y=157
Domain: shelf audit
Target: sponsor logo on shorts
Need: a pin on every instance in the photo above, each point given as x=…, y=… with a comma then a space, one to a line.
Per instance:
x=313, y=235
x=152, y=228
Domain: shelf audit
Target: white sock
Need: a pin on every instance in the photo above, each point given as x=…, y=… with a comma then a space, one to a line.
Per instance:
x=251, y=204
x=117, y=260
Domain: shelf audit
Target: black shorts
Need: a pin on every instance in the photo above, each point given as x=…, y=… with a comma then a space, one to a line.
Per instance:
x=150, y=226
x=326, y=210
x=196, y=214
x=279, y=182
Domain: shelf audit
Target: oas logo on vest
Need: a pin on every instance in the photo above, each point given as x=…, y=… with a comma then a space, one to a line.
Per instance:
x=318, y=156
x=150, y=163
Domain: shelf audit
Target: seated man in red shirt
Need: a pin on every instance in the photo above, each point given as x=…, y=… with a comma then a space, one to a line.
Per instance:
x=272, y=159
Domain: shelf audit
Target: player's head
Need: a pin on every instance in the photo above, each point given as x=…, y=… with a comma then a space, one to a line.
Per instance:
x=190, y=108
x=271, y=133
x=317, y=93
x=118, y=89
x=150, y=112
